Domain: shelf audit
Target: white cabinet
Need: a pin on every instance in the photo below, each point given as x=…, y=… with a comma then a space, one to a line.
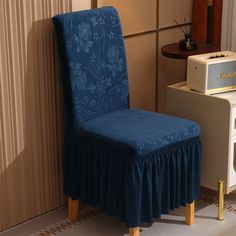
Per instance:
x=216, y=115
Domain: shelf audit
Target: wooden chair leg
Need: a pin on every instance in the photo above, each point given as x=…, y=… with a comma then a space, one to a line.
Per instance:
x=73, y=209
x=189, y=215
x=134, y=231
x=221, y=200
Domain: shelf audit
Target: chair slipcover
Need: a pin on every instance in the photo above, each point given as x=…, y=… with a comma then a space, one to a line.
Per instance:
x=133, y=164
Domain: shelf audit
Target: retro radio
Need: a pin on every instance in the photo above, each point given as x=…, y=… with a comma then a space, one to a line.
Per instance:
x=212, y=72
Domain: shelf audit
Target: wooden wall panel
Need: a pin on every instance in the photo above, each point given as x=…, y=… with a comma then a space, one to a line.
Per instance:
x=200, y=14
x=141, y=59
x=170, y=10
x=139, y=16
x=217, y=18
x=30, y=111
x=78, y=5
x=136, y=15
x=170, y=70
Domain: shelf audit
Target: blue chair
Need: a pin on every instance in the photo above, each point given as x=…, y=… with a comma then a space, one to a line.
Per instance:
x=131, y=163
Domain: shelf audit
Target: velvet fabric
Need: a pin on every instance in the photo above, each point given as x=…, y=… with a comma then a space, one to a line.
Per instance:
x=106, y=174
x=133, y=164
x=93, y=64
x=141, y=131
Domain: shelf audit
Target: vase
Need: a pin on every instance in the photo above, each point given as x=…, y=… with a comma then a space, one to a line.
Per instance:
x=187, y=44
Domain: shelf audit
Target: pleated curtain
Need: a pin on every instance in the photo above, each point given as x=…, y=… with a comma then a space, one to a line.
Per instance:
x=229, y=26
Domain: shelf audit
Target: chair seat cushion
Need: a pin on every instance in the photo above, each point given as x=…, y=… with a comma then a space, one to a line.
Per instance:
x=142, y=131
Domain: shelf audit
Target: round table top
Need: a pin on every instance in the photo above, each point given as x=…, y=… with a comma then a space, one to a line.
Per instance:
x=172, y=50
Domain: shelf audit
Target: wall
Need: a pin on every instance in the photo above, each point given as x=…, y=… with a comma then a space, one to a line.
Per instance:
x=170, y=70
x=139, y=22
x=148, y=25
x=78, y=5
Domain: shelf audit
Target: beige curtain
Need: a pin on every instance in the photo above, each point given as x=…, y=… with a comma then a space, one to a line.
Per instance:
x=30, y=111
x=229, y=26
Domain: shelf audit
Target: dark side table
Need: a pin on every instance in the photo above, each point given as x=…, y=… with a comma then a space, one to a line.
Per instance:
x=172, y=50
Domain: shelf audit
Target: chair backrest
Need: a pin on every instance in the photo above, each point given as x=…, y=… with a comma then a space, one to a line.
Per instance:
x=93, y=62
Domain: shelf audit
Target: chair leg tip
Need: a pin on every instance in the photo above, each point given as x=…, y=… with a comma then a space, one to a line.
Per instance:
x=189, y=217
x=73, y=209
x=134, y=231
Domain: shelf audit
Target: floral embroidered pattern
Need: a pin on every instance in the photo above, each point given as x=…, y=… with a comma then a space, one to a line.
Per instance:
x=83, y=39
x=97, y=71
x=81, y=78
x=116, y=61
